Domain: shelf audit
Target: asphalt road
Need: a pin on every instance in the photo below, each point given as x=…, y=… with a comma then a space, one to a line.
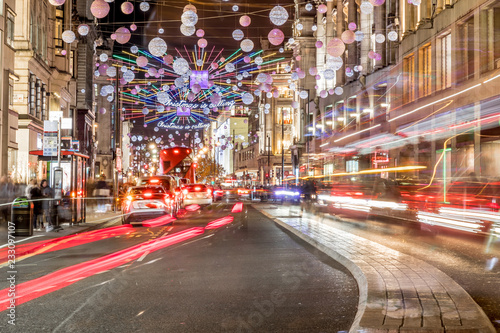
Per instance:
x=256, y=278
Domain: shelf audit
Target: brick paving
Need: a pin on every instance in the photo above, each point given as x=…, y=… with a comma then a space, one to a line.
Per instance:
x=398, y=293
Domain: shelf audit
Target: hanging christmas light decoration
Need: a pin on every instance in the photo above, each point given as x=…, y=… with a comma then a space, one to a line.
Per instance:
x=57, y=2
x=189, y=18
x=68, y=36
x=141, y=61
x=392, y=36
x=322, y=8
x=245, y=21
x=278, y=15
x=187, y=31
x=276, y=37
x=335, y=47
x=83, y=29
x=157, y=47
x=200, y=33
x=238, y=35
x=366, y=7
x=144, y=6
x=180, y=66
x=190, y=7
x=99, y=8
x=247, y=45
x=379, y=38
x=348, y=37
x=127, y=7
x=122, y=35
x=309, y=7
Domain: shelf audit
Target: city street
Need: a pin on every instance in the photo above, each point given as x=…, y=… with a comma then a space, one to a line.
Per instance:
x=248, y=278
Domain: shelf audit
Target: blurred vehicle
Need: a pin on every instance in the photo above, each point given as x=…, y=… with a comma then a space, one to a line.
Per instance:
x=170, y=184
x=218, y=194
x=198, y=194
x=147, y=202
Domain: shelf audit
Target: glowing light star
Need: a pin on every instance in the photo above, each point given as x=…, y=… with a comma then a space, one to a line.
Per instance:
x=335, y=47
x=259, y=60
x=278, y=15
x=319, y=44
x=348, y=37
x=246, y=45
x=83, y=29
x=392, y=36
x=247, y=98
x=366, y=7
x=189, y=18
x=141, y=61
x=238, y=34
x=377, y=2
x=202, y=43
x=322, y=8
x=309, y=7
x=99, y=9
x=245, y=21
x=122, y=35
x=276, y=37
x=157, y=47
x=144, y=6
x=187, y=31
x=379, y=38
x=127, y=7
x=200, y=33
x=68, y=36
x=352, y=26
x=181, y=66
x=57, y=2
x=235, y=8
x=229, y=67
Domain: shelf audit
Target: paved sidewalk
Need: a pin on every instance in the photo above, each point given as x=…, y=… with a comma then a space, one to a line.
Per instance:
x=398, y=293
x=93, y=221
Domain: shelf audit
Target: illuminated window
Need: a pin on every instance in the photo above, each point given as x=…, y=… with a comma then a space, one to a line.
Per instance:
x=58, y=30
x=425, y=75
x=286, y=116
x=445, y=62
x=465, y=50
x=409, y=80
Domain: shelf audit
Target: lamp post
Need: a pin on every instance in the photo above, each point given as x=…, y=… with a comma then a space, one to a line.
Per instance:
x=282, y=147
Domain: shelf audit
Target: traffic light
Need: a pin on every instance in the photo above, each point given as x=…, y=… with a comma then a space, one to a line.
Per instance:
x=267, y=176
x=272, y=173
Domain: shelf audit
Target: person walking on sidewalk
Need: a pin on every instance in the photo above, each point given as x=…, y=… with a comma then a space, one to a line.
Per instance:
x=48, y=205
x=36, y=198
x=102, y=193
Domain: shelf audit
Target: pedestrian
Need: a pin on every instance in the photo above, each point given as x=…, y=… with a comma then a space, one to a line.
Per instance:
x=29, y=187
x=48, y=206
x=102, y=193
x=36, y=199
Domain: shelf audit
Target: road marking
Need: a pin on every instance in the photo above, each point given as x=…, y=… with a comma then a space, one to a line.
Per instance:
x=143, y=256
x=22, y=240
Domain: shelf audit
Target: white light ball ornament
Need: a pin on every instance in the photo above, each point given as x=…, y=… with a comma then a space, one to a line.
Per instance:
x=246, y=45
x=68, y=36
x=278, y=15
x=392, y=36
x=181, y=66
x=366, y=7
x=189, y=18
x=379, y=38
x=157, y=47
x=187, y=31
x=247, y=98
x=83, y=29
x=144, y=6
x=57, y=2
x=238, y=35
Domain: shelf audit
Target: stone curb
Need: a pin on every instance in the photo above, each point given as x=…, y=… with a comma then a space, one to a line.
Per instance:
x=370, y=285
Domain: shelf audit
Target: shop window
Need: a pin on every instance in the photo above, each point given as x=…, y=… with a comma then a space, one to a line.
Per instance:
x=284, y=116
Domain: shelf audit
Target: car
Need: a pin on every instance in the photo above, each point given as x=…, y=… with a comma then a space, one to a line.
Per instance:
x=198, y=194
x=147, y=202
x=171, y=184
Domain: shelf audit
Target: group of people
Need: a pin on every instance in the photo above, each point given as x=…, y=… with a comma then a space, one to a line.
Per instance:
x=44, y=205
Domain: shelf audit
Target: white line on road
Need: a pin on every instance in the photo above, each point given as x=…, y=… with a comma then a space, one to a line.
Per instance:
x=143, y=256
x=22, y=240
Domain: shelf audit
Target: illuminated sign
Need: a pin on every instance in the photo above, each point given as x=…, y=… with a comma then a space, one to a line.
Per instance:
x=177, y=126
x=183, y=112
x=199, y=105
x=199, y=77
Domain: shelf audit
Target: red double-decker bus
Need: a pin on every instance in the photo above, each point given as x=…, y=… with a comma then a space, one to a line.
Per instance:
x=177, y=162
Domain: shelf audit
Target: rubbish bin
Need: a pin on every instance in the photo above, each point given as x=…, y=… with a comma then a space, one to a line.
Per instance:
x=22, y=216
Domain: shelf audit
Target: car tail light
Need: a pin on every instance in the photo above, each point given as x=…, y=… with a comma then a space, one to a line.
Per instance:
x=197, y=188
x=167, y=198
x=154, y=181
x=148, y=195
x=185, y=192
